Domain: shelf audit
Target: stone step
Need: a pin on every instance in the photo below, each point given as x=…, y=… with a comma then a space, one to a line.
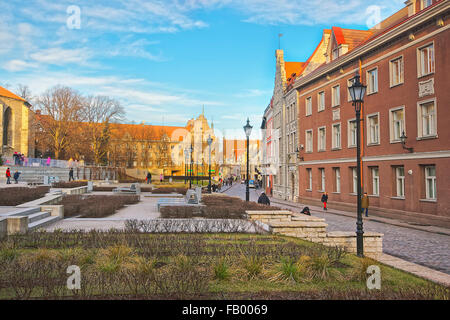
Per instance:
x=38, y=216
x=25, y=211
x=42, y=223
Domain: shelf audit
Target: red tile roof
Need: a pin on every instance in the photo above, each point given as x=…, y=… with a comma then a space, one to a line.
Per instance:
x=9, y=94
x=293, y=67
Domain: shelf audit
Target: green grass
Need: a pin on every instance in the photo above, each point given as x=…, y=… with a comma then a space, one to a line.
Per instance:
x=194, y=265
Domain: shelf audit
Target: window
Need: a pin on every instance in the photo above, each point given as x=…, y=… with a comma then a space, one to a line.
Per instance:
x=396, y=71
x=400, y=181
x=309, y=141
x=349, y=84
x=352, y=133
x=426, y=60
x=321, y=101
x=336, y=136
x=336, y=95
x=322, y=179
x=397, y=124
x=322, y=139
x=308, y=106
x=372, y=81
x=426, y=3
x=354, y=180
x=375, y=181
x=427, y=119
x=373, y=136
x=337, y=177
x=309, y=172
x=430, y=182
x=335, y=53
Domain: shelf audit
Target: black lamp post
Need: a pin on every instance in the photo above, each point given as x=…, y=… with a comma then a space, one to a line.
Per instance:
x=248, y=132
x=357, y=92
x=403, y=139
x=191, y=150
x=209, y=171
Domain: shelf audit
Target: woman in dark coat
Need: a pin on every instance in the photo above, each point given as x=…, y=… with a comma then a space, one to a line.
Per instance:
x=263, y=199
x=325, y=200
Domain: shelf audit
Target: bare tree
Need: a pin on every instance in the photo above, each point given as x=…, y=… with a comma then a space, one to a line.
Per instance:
x=61, y=115
x=99, y=112
x=24, y=92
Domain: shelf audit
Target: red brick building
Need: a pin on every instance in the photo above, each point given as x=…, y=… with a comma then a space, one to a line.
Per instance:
x=405, y=63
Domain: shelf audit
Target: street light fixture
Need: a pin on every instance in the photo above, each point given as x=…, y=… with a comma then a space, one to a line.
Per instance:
x=357, y=91
x=191, y=150
x=209, y=171
x=248, y=132
x=186, y=156
x=403, y=139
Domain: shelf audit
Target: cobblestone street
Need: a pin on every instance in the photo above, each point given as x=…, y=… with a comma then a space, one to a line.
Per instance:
x=425, y=248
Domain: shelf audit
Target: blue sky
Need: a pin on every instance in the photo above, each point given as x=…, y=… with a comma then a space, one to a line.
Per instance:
x=165, y=59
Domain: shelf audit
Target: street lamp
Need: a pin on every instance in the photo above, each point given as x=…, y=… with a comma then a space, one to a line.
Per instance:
x=186, y=155
x=191, y=150
x=403, y=139
x=209, y=144
x=248, y=132
x=357, y=91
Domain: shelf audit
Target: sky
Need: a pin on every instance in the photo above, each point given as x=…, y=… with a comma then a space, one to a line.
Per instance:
x=165, y=60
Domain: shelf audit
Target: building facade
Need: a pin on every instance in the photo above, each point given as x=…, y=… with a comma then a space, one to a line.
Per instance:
x=16, y=121
x=268, y=162
x=404, y=63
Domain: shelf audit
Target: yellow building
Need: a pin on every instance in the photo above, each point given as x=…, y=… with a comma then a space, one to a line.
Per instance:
x=16, y=119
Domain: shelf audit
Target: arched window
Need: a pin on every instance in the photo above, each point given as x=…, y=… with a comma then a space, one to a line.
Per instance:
x=7, y=127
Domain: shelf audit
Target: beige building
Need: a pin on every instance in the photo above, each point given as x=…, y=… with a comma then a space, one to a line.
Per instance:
x=16, y=119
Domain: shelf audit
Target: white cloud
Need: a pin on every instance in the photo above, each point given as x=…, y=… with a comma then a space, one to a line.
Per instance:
x=18, y=65
x=59, y=56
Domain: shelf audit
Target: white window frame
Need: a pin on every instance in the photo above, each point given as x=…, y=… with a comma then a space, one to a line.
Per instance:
x=420, y=71
x=400, y=182
x=337, y=176
x=430, y=194
x=309, y=146
x=354, y=180
x=420, y=134
x=321, y=107
x=321, y=148
x=310, y=181
x=375, y=181
x=371, y=90
x=423, y=4
x=336, y=144
x=308, y=106
x=322, y=180
x=336, y=96
x=391, y=124
x=349, y=133
x=402, y=71
x=370, y=141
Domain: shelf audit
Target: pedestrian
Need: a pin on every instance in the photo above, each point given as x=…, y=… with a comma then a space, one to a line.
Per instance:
x=16, y=158
x=161, y=178
x=8, y=176
x=149, y=177
x=264, y=199
x=71, y=175
x=16, y=177
x=48, y=161
x=325, y=200
x=365, y=203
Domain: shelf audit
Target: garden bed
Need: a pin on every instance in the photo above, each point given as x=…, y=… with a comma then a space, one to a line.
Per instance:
x=216, y=207
x=167, y=190
x=128, y=265
x=111, y=188
x=71, y=184
x=95, y=206
x=17, y=195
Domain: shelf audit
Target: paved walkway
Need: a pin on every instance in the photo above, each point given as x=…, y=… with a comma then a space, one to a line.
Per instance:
x=426, y=248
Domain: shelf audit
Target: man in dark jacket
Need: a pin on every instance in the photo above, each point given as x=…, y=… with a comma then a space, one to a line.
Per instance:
x=149, y=177
x=71, y=178
x=263, y=199
x=16, y=177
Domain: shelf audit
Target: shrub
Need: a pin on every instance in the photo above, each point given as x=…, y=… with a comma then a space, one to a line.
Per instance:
x=111, y=188
x=95, y=206
x=165, y=190
x=287, y=270
x=253, y=265
x=221, y=270
x=18, y=195
x=69, y=184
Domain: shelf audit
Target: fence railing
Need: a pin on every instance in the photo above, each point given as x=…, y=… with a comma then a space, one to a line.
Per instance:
x=41, y=162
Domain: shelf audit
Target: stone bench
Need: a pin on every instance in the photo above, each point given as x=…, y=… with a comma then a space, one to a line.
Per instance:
x=373, y=242
x=314, y=231
x=269, y=216
x=133, y=189
x=168, y=202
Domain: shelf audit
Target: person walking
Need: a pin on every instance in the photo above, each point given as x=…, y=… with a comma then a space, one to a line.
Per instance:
x=71, y=175
x=8, y=176
x=149, y=177
x=324, y=200
x=16, y=177
x=365, y=203
x=161, y=178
